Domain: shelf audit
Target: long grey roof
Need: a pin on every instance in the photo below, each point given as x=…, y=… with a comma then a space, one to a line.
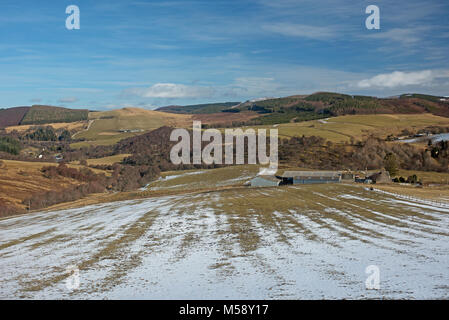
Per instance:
x=270, y=178
x=329, y=174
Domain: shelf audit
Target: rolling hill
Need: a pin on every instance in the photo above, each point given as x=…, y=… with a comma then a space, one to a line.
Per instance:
x=345, y=128
x=48, y=114
x=329, y=104
x=109, y=127
x=199, y=108
x=38, y=114
x=12, y=116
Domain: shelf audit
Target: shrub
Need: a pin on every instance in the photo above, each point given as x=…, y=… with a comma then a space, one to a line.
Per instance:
x=391, y=164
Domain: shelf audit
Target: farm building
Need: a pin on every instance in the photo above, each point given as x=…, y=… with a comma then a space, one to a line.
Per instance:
x=363, y=180
x=348, y=176
x=381, y=177
x=310, y=177
x=265, y=181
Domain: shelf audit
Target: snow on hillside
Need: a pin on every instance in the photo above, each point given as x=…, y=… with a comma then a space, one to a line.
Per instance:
x=296, y=242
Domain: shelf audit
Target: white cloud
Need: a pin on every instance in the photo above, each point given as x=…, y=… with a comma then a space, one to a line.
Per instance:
x=68, y=100
x=171, y=91
x=400, y=79
x=82, y=90
x=404, y=36
x=141, y=105
x=301, y=30
x=251, y=87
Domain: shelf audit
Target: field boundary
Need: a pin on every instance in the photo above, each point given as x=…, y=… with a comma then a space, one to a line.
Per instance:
x=434, y=203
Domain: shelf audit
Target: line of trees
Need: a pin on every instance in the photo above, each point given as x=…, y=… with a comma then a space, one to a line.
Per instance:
x=123, y=178
x=373, y=153
x=10, y=145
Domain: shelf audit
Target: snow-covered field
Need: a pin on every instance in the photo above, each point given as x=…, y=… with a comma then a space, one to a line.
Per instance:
x=296, y=242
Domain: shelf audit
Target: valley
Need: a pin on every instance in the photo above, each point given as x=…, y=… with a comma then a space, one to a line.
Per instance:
x=100, y=196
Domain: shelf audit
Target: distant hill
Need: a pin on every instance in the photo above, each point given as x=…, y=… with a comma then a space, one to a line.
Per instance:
x=109, y=127
x=199, y=108
x=48, y=114
x=12, y=116
x=329, y=104
x=40, y=115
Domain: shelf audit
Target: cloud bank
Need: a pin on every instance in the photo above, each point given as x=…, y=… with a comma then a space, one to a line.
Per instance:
x=402, y=79
x=68, y=100
x=171, y=91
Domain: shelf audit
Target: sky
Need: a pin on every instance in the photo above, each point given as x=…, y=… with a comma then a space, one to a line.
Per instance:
x=138, y=53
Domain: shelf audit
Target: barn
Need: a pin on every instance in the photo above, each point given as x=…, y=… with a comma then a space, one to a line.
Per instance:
x=265, y=181
x=310, y=177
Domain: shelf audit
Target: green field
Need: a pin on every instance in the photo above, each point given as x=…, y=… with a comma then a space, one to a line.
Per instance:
x=199, y=108
x=200, y=179
x=105, y=160
x=426, y=176
x=106, y=126
x=109, y=127
x=342, y=128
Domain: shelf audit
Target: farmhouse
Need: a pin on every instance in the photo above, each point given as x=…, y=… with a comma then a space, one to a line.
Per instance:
x=310, y=177
x=265, y=181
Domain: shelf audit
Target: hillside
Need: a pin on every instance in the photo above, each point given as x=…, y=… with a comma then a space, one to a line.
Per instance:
x=37, y=114
x=48, y=114
x=12, y=116
x=246, y=240
x=20, y=179
x=356, y=127
x=327, y=104
x=109, y=127
x=199, y=108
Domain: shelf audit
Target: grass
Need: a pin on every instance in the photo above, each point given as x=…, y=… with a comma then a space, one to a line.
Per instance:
x=60, y=125
x=102, y=142
x=106, y=125
x=19, y=179
x=233, y=178
x=435, y=193
x=48, y=114
x=105, y=129
x=426, y=176
x=239, y=225
x=341, y=129
x=106, y=160
x=223, y=179
x=189, y=180
x=200, y=108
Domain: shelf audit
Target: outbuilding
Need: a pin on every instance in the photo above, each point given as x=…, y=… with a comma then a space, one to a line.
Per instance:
x=265, y=181
x=381, y=177
x=310, y=177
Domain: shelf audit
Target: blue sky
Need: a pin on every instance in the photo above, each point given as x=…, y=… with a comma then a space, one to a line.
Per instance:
x=155, y=53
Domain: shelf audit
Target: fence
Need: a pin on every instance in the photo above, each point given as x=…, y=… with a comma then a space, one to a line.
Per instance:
x=434, y=203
